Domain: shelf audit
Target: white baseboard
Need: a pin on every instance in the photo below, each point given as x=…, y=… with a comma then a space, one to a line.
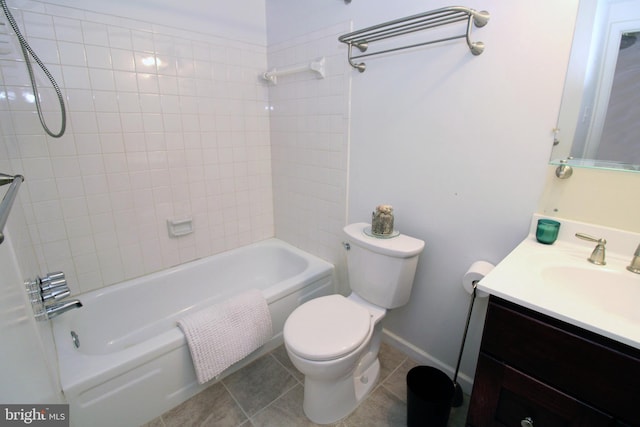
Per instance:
x=420, y=356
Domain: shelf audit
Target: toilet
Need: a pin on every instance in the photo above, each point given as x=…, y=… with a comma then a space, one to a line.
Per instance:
x=334, y=340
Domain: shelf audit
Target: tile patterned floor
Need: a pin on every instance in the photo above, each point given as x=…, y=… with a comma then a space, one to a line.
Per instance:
x=269, y=392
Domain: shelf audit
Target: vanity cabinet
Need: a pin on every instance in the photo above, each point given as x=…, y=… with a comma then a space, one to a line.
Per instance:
x=536, y=371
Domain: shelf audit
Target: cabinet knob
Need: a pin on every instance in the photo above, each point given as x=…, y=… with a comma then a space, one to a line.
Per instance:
x=527, y=422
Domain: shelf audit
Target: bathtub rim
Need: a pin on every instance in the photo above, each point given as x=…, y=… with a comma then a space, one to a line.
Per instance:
x=72, y=363
x=314, y=262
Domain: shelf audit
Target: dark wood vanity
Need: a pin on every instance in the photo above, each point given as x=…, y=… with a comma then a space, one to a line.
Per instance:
x=537, y=371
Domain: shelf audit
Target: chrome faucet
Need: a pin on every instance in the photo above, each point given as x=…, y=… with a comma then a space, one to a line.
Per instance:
x=56, y=294
x=634, y=267
x=57, y=309
x=50, y=289
x=598, y=255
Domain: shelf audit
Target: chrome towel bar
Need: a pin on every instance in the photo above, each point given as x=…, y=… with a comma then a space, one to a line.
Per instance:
x=8, y=199
x=410, y=24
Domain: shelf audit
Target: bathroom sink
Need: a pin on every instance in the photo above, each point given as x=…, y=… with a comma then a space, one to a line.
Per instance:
x=557, y=280
x=599, y=289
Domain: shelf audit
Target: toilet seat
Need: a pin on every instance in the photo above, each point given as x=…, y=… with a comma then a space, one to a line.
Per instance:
x=327, y=328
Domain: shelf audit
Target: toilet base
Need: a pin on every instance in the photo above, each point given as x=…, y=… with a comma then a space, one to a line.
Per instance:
x=326, y=402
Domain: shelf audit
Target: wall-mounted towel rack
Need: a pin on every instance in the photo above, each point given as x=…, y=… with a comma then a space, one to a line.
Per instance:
x=435, y=18
x=7, y=200
x=317, y=66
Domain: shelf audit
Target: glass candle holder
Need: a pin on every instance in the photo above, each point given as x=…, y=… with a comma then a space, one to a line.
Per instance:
x=547, y=231
x=382, y=220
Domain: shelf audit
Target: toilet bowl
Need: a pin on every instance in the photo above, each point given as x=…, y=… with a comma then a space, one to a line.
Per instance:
x=334, y=342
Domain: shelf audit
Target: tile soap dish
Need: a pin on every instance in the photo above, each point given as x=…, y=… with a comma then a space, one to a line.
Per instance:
x=177, y=228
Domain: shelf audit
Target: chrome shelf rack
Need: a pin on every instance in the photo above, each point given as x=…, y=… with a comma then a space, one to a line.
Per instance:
x=361, y=39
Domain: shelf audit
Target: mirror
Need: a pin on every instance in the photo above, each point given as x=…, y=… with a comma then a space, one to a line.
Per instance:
x=599, y=120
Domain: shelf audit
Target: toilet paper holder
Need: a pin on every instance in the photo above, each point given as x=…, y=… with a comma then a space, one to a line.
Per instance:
x=476, y=272
x=470, y=281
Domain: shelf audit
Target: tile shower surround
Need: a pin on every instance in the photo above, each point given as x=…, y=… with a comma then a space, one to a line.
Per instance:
x=166, y=124
x=310, y=145
x=162, y=124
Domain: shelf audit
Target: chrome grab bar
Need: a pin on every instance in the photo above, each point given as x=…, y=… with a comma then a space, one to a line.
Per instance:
x=8, y=199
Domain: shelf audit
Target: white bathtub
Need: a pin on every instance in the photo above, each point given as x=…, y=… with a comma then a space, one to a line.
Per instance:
x=133, y=362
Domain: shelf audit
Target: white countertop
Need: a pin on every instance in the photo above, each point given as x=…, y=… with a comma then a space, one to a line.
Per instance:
x=557, y=280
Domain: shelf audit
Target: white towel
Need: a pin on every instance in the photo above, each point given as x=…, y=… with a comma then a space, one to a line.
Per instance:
x=223, y=334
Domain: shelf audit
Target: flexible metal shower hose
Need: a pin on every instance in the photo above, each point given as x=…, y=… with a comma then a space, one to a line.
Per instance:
x=26, y=50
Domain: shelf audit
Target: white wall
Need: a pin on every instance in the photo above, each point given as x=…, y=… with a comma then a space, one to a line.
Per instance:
x=458, y=144
x=597, y=196
x=28, y=376
x=28, y=364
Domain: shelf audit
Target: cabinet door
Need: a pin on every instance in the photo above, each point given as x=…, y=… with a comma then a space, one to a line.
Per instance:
x=505, y=397
x=589, y=367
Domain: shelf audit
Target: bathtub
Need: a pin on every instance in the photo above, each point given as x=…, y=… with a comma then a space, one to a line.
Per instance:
x=132, y=363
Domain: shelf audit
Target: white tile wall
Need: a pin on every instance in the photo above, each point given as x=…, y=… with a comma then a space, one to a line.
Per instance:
x=163, y=124
x=309, y=140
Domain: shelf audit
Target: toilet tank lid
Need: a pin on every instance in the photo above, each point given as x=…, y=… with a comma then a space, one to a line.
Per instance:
x=401, y=246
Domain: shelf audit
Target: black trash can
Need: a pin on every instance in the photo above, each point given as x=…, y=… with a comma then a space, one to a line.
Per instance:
x=429, y=397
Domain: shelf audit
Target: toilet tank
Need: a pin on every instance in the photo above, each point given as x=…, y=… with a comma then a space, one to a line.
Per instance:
x=381, y=270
